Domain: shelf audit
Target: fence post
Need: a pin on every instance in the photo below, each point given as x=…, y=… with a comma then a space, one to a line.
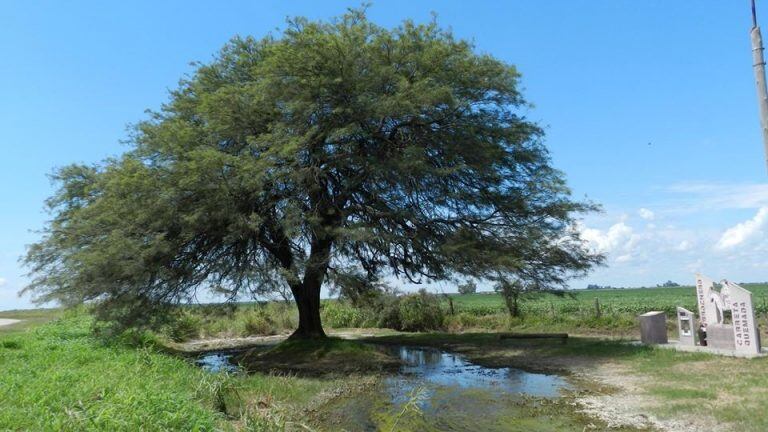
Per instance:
x=597, y=308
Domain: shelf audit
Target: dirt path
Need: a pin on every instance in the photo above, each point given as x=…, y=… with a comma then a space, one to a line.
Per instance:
x=8, y=321
x=629, y=404
x=228, y=343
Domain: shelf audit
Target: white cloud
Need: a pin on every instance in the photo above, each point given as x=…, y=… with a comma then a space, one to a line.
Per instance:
x=3, y=281
x=624, y=258
x=716, y=228
x=618, y=235
x=646, y=214
x=743, y=231
x=704, y=196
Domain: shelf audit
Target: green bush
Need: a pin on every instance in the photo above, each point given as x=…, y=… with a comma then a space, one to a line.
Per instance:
x=184, y=327
x=137, y=338
x=258, y=322
x=284, y=315
x=389, y=314
x=339, y=314
x=10, y=344
x=420, y=312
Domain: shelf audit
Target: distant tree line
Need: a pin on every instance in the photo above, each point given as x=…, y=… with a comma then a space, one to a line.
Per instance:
x=667, y=284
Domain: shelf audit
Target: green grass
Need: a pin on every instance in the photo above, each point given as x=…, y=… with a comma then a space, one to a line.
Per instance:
x=577, y=312
x=29, y=318
x=58, y=377
x=625, y=300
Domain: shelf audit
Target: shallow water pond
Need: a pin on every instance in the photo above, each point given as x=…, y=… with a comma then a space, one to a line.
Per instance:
x=437, y=390
x=434, y=368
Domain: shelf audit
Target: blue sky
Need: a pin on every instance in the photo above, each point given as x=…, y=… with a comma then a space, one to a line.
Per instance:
x=649, y=109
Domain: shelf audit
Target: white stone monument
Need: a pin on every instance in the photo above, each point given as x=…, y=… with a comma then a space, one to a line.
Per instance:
x=745, y=333
x=740, y=334
x=704, y=289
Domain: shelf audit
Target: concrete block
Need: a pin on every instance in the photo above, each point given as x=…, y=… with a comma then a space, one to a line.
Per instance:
x=720, y=336
x=653, y=327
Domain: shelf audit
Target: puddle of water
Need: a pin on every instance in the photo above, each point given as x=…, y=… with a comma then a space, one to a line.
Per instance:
x=455, y=394
x=432, y=367
x=217, y=361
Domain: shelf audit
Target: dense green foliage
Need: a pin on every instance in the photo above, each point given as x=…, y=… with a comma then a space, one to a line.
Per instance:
x=420, y=312
x=337, y=151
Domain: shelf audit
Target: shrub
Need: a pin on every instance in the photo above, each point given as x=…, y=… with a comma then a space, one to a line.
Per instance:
x=184, y=327
x=467, y=321
x=389, y=313
x=137, y=338
x=341, y=314
x=420, y=312
x=258, y=323
x=288, y=322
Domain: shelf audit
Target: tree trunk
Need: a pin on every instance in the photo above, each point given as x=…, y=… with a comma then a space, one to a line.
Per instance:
x=308, y=303
x=515, y=307
x=512, y=306
x=307, y=293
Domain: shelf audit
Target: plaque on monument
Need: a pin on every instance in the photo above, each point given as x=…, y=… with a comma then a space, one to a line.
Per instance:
x=686, y=327
x=704, y=290
x=746, y=336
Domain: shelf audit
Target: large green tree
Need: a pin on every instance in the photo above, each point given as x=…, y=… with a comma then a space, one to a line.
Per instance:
x=334, y=149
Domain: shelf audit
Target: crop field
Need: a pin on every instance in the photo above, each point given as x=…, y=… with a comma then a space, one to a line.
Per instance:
x=611, y=301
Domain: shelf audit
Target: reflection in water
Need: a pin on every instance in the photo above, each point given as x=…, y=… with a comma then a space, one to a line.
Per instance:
x=458, y=395
x=432, y=368
x=217, y=362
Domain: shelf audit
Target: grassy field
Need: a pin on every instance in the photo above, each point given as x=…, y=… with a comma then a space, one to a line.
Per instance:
x=59, y=377
x=624, y=300
x=607, y=312
x=28, y=319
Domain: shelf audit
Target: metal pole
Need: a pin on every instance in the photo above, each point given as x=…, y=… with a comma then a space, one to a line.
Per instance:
x=758, y=63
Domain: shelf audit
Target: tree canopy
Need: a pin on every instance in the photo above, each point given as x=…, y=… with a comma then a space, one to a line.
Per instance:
x=337, y=150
